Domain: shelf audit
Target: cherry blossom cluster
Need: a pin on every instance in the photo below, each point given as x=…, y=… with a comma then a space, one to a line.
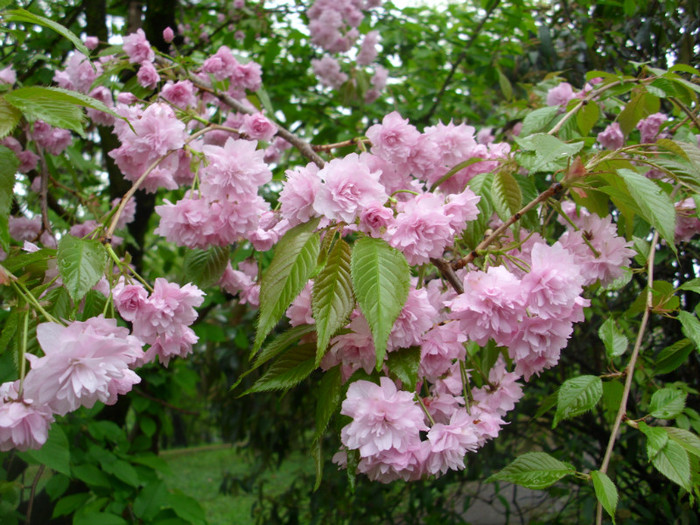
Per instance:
x=94, y=360
x=526, y=302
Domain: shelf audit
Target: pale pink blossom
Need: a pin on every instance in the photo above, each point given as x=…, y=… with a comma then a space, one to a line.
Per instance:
x=147, y=75
x=104, y=95
x=450, y=442
x=441, y=346
x=23, y=424
x=650, y=126
x=687, y=223
x=258, y=127
x=53, y=140
x=348, y=187
x=328, y=71
x=384, y=418
x=375, y=219
x=91, y=42
x=299, y=192
x=180, y=93
x=235, y=170
x=393, y=139
x=611, y=137
x=24, y=229
x=80, y=361
x=137, y=48
x=560, y=95
x=8, y=76
x=416, y=318
x=299, y=312
x=168, y=35
x=79, y=73
x=368, y=49
x=501, y=393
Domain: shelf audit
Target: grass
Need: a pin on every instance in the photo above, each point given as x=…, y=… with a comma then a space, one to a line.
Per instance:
x=199, y=473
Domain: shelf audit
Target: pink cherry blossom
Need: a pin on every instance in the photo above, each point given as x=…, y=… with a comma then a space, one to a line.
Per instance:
x=257, y=127
x=611, y=137
x=80, y=361
x=137, y=48
x=560, y=95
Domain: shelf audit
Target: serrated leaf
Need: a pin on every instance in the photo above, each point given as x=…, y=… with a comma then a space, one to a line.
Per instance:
x=50, y=105
x=330, y=391
x=673, y=462
x=667, y=403
x=8, y=168
x=605, y=492
x=506, y=195
x=288, y=370
x=20, y=15
x=693, y=285
x=690, y=327
x=123, y=471
x=150, y=500
x=404, y=364
x=81, y=263
x=550, y=152
x=69, y=504
x=587, y=117
x=615, y=342
x=381, y=279
x=538, y=120
x=673, y=356
x=332, y=301
x=657, y=438
x=689, y=441
x=577, y=396
x=654, y=205
x=534, y=470
x=9, y=117
x=205, y=267
x=292, y=265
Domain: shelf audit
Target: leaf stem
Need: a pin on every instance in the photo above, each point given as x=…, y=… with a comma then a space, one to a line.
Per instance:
x=629, y=370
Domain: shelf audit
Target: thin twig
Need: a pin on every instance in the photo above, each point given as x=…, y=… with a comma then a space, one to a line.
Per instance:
x=459, y=60
x=555, y=188
x=629, y=370
x=448, y=274
x=31, y=494
x=350, y=142
x=303, y=146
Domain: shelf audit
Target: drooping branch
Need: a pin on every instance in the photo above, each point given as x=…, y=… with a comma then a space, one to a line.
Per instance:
x=629, y=370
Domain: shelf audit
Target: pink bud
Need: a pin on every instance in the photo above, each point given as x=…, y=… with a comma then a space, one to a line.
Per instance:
x=91, y=42
x=168, y=35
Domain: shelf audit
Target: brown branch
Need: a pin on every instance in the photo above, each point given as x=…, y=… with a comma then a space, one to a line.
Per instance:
x=351, y=142
x=555, y=188
x=448, y=274
x=629, y=370
x=32, y=493
x=301, y=145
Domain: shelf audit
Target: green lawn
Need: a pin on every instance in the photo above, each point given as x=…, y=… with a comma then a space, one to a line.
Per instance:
x=199, y=472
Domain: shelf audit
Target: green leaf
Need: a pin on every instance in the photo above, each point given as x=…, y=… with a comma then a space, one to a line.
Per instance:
x=186, y=507
x=288, y=370
x=9, y=117
x=587, y=117
x=693, y=285
x=504, y=83
x=640, y=106
x=550, y=153
x=205, y=267
x=686, y=439
x=615, y=342
x=605, y=492
x=20, y=15
x=381, y=279
x=404, y=364
x=673, y=356
x=673, y=462
x=657, y=437
x=667, y=403
x=292, y=265
x=538, y=120
x=150, y=501
x=123, y=471
x=91, y=475
x=50, y=105
x=55, y=453
x=332, y=301
x=330, y=391
x=690, y=327
x=81, y=263
x=506, y=195
x=69, y=504
x=654, y=205
x=612, y=396
x=8, y=167
x=103, y=518
x=534, y=470
x=577, y=396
